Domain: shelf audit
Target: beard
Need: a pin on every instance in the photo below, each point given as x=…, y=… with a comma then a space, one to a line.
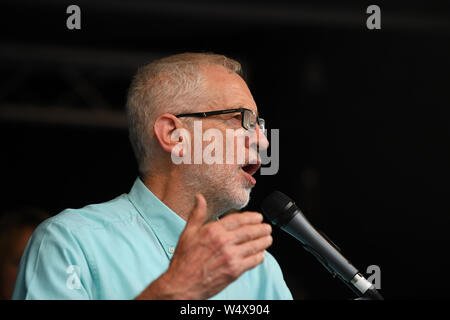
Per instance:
x=223, y=186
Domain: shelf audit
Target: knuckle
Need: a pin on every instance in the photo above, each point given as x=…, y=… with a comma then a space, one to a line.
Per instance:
x=220, y=241
x=245, y=236
x=210, y=230
x=261, y=257
x=252, y=250
x=233, y=270
x=264, y=230
x=253, y=232
x=228, y=255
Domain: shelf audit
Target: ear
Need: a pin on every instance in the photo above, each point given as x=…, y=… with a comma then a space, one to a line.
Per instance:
x=165, y=128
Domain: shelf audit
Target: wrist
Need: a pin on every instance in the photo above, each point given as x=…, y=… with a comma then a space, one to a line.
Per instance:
x=165, y=288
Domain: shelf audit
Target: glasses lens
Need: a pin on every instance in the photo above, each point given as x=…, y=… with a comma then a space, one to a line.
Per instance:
x=262, y=125
x=249, y=121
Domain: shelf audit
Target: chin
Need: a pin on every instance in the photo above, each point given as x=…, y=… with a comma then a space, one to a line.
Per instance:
x=241, y=198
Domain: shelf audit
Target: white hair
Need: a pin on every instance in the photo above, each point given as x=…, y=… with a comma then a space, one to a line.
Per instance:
x=173, y=84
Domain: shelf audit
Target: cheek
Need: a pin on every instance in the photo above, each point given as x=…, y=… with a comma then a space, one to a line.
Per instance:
x=222, y=174
x=240, y=149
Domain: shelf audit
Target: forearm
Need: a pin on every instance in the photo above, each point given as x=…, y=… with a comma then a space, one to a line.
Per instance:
x=163, y=288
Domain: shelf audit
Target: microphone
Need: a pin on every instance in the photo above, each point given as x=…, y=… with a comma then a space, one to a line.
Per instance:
x=283, y=212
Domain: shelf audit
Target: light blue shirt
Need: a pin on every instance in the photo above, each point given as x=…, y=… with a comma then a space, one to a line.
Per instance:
x=114, y=250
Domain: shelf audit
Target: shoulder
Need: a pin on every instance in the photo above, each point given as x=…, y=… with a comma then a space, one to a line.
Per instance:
x=269, y=277
x=270, y=264
x=72, y=227
x=66, y=241
x=94, y=216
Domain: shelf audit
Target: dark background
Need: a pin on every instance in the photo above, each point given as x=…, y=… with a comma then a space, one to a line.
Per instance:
x=363, y=118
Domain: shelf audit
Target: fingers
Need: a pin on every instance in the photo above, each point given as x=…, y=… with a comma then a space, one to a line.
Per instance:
x=236, y=220
x=253, y=247
x=198, y=214
x=252, y=261
x=251, y=232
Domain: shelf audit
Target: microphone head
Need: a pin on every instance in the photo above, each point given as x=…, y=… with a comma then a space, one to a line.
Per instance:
x=279, y=208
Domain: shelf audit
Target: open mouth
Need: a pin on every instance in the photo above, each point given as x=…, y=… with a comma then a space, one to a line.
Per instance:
x=251, y=168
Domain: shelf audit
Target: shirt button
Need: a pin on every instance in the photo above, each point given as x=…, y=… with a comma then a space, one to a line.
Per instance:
x=171, y=249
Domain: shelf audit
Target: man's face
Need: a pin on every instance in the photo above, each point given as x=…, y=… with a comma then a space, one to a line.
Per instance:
x=226, y=185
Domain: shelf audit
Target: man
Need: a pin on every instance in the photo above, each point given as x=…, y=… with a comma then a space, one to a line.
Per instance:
x=163, y=240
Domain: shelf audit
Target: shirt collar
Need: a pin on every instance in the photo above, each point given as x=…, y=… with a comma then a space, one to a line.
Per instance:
x=166, y=224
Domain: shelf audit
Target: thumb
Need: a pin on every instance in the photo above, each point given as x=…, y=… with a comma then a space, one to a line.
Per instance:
x=198, y=214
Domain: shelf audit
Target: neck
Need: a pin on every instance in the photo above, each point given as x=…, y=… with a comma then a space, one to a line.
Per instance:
x=170, y=189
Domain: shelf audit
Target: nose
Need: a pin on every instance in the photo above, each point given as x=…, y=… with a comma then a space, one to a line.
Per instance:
x=263, y=143
x=261, y=140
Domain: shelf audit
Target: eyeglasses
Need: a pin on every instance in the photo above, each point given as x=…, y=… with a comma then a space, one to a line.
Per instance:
x=249, y=118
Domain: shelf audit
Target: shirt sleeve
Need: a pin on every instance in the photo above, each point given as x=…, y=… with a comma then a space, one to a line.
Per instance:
x=53, y=266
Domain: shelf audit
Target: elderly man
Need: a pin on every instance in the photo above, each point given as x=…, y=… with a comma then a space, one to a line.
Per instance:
x=169, y=237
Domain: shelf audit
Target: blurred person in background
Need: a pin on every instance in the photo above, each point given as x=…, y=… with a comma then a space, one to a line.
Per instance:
x=16, y=227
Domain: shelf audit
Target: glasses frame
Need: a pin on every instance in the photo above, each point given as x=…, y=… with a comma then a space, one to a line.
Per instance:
x=259, y=121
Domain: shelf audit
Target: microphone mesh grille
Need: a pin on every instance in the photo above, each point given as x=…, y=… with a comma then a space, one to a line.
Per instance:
x=273, y=205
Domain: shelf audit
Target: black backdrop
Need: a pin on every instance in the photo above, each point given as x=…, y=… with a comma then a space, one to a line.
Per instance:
x=363, y=118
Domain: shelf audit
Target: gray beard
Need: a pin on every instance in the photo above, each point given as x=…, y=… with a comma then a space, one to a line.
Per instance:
x=220, y=185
